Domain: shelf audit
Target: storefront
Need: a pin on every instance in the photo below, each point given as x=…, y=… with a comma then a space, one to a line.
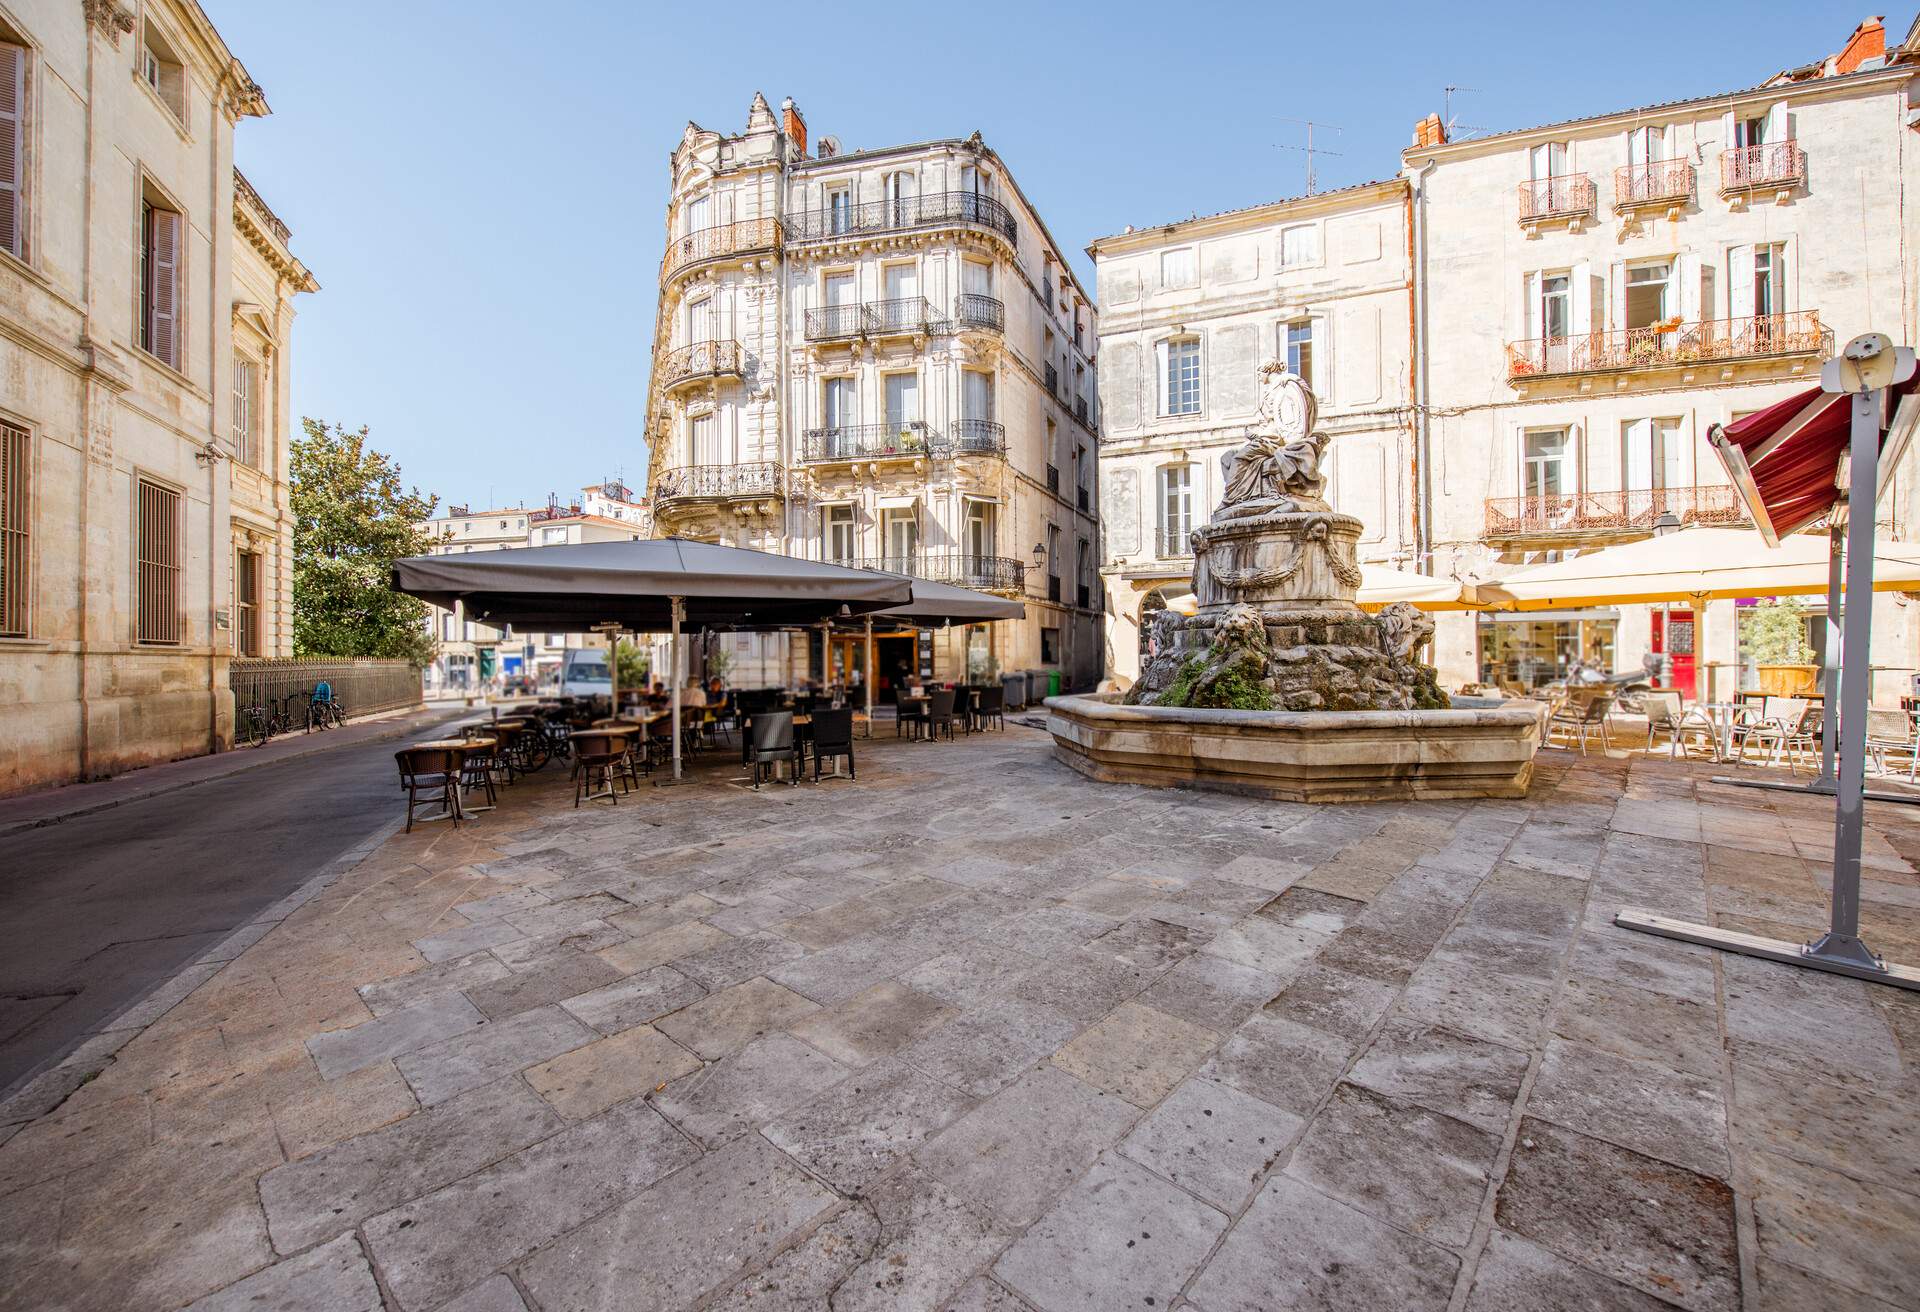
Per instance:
x=1524, y=651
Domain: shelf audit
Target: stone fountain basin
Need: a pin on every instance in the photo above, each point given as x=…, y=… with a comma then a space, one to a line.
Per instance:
x=1303, y=756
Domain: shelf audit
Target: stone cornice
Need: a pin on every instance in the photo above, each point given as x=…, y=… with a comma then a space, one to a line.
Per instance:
x=1364, y=196
x=109, y=16
x=278, y=258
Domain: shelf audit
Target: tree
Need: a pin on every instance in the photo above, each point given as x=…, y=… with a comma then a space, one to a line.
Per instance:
x=634, y=664
x=1775, y=633
x=352, y=520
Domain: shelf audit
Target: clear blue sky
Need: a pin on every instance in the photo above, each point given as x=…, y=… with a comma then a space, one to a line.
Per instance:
x=480, y=186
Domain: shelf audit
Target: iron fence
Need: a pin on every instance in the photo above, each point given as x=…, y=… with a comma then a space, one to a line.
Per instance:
x=940, y=209
x=361, y=686
x=720, y=240
x=902, y=315
x=1660, y=182
x=1672, y=342
x=745, y=481
x=1773, y=164
x=1561, y=196
x=909, y=437
x=980, y=437
x=710, y=359
x=1636, y=509
x=974, y=310
x=982, y=573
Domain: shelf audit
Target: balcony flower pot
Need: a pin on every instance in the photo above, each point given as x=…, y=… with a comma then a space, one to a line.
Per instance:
x=1788, y=680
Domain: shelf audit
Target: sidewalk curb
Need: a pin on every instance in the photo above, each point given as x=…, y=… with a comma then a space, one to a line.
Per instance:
x=43, y=1091
x=243, y=760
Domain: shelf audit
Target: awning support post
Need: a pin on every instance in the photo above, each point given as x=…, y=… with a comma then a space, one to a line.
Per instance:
x=1830, y=664
x=867, y=681
x=673, y=666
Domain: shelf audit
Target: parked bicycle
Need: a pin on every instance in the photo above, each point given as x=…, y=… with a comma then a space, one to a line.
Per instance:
x=256, y=725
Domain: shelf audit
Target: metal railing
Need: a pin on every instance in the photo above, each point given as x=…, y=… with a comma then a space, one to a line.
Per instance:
x=1612, y=512
x=980, y=437
x=1774, y=164
x=940, y=209
x=1053, y=380
x=718, y=241
x=1672, y=343
x=361, y=686
x=1173, y=543
x=972, y=310
x=982, y=573
x=747, y=481
x=1559, y=197
x=702, y=360
x=908, y=439
x=1080, y=408
x=1657, y=183
x=904, y=315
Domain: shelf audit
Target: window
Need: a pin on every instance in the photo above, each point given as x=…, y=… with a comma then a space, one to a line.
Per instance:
x=160, y=283
x=700, y=320
x=1652, y=454
x=246, y=604
x=1547, y=160
x=1300, y=246
x=1647, y=294
x=1556, y=306
x=839, y=210
x=16, y=519
x=841, y=544
x=552, y=536
x=1175, y=503
x=976, y=395
x=1050, y=645
x=1646, y=146
x=246, y=389
x=160, y=69
x=1546, y=470
x=1750, y=131
x=700, y=441
x=1769, y=280
x=697, y=212
x=903, y=188
x=900, y=534
x=979, y=532
x=159, y=564
x=1182, y=389
x=1176, y=270
x=976, y=278
x=13, y=148
x=1300, y=351
x=1053, y=562
x=903, y=403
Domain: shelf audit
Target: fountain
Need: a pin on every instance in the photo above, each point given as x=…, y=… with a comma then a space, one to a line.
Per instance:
x=1280, y=685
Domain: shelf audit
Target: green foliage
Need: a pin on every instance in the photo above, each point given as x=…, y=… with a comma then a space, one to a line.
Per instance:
x=634, y=665
x=1230, y=689
x=982, y=667
x=719, y=661
x=1775, y=633
x=1428, y=695
x=352, y=520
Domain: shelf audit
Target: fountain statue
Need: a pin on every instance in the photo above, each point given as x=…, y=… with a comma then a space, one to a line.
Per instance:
x=1275, y=575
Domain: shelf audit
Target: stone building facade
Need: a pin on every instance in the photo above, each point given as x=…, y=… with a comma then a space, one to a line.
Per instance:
x=1599, y=292
x=879, y=357
x=146, y=306
x=1189, y=311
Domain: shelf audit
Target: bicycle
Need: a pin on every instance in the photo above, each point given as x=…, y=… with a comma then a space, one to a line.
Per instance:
x=256, y=726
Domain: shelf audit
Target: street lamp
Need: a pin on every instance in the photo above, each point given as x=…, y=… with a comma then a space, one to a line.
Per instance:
x=1667, y=523
x=1039, y=554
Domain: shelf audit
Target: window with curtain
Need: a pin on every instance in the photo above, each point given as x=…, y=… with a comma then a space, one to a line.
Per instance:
x=1182, y=386
x=1545, y=467
x=979, y=533
x=1300, y=246
x=1177, y=269
x=1299, y=348
x=1652, y=454
x=840, y=541
x=1175, y=510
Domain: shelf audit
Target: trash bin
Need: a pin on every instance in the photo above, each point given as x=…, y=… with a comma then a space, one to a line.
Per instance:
x=1036, y=687
x=1016, y=690
x=1053, y=683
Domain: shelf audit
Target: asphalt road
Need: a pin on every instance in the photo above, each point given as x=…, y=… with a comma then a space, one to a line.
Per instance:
x=98, y=909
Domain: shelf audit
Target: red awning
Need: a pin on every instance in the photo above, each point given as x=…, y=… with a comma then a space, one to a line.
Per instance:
x=1785, y=459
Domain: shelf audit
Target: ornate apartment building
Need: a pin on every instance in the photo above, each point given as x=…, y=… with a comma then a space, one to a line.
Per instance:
x=879, y=357
x=1189, y=312
x=1598, y=293
x=146, y=309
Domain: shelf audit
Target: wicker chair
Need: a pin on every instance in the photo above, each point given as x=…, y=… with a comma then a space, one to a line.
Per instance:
x=772, y=742
x=431, y=776
x=597, y=755
x=832, y=739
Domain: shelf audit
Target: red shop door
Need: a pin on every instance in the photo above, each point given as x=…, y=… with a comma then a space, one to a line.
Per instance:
x=1673, y=638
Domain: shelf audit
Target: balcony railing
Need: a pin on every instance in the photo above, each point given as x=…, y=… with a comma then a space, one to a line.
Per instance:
x=1775, y=164
x=980, y=437
x=903, y=316
x=721, y=240
x=1173, y=543
x=1565, y=196
x=1612, y=512
x=940, y=209
x=1662, y=182
x=983, y=573
x=698, y=360
x=750, y=481
x=1053, y=380
x=973, y=310
x=1080, y=408
x=908, y=439
x=1672, y=344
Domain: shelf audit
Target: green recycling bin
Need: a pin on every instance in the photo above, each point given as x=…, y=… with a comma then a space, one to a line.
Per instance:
x=1053, y=683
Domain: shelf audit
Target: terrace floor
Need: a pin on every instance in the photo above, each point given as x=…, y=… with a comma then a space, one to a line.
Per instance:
x=974, y=1033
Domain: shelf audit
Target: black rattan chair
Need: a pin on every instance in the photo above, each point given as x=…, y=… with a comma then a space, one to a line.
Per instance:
x=832, y=738
x=431, y=775
x=909, y=711
x=940, y=714
x=772, y=742
x=992, y=705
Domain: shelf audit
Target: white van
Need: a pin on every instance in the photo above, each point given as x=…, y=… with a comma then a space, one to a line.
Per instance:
x=584, y=673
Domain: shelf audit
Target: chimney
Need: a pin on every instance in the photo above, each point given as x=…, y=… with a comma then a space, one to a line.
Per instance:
x=1430, y=131
x=795, y=126
x=1868, y=42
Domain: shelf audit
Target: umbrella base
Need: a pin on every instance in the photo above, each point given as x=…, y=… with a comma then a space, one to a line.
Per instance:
x=1824, y=790
x=1830, y=952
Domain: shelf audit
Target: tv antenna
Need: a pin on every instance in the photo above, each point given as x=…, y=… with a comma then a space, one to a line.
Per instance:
x=1309, y=150
x=1453, y=129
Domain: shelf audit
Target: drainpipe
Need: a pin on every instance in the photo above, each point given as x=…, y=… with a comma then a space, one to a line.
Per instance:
x=1423, y=436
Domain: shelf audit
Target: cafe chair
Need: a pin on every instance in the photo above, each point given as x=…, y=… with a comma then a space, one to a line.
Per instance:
x=773, y=743
x=431, y=776
x=992, y=705
x=940, y=716
x=909, y=711
x=833, y=739
x=477, y=769
x=598, y=756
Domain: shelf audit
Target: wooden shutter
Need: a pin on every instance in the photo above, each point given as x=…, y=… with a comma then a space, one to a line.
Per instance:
x=13, y=154
x=159, y=564
x=163, y=274
x=1739, y=282
x=16, y=512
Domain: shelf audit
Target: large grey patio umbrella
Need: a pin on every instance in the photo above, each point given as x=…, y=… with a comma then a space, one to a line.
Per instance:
x=646, y=586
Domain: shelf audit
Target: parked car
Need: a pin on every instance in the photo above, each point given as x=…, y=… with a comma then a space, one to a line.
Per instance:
x=584, y=673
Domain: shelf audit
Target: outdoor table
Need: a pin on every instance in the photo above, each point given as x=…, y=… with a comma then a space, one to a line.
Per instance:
x=1721, y=717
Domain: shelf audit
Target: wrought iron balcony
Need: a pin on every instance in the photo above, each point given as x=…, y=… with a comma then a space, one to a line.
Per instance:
x=973, y=310
x=982, y=573
x=909, y=439
x=719, y=241
x=697, y=361
x=1173, y=543
x=1564, y=196
x=1080, y=409
x=940, y=209
x=1657, y=185
x=1780, y=164
x=1672, y=344
x=1589, y=513
x=681, y=485
x=980, y=437
x=1053, y=379
x=906, y=316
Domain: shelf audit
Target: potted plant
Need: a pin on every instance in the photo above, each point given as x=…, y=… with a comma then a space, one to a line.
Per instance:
x=1775, y=636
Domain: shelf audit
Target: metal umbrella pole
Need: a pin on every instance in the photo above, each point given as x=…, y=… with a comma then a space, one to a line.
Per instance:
x=673, y=668
x=868, y=681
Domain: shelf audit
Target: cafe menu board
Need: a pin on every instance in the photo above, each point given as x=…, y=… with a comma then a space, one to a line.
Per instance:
x=926, y=653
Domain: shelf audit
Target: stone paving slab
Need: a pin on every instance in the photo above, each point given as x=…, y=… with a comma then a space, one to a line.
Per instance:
x=931, y=1040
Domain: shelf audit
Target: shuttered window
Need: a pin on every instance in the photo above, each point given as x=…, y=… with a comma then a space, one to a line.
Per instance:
x=159, y=564
x=16, y=514
x=160, y=283
x=246, y=390
x=246, y=603
x=13, y=149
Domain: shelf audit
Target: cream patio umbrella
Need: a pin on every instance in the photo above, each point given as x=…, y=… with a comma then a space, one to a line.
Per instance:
x=1382, y=585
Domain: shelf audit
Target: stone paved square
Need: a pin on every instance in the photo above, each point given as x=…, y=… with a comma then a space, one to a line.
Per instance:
x=951, y=1036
